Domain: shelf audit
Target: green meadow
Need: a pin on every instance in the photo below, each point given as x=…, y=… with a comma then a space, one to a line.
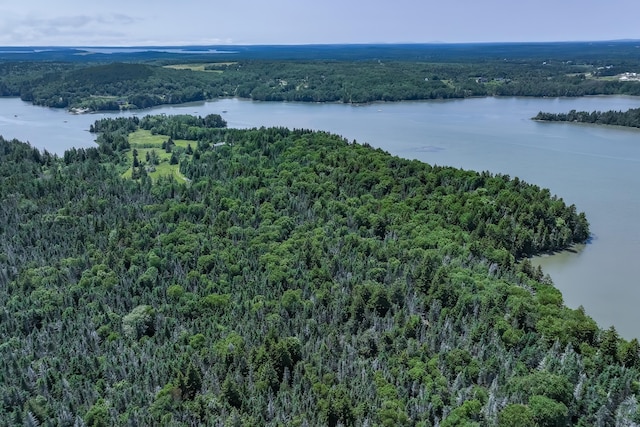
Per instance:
x=205, y=67
x=149, y=147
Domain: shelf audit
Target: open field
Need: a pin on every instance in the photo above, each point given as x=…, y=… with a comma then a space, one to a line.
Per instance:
x=149, y=146
x=200, y=67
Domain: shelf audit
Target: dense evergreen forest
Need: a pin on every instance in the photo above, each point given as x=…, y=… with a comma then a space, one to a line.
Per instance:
x=294, y=278
x=629, y=118
x=351, y=74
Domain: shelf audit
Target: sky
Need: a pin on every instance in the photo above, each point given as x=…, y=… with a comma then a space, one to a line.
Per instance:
x=250, y=22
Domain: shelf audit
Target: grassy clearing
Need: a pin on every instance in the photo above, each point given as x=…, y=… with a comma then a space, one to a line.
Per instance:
x=603, y=78
x=149, y=146
x=449, y=83
x=200, y=67
x=145, y=139
x=103, y=97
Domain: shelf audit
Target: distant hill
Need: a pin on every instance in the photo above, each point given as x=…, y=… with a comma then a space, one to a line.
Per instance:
x=418, y=51
x=111, y=73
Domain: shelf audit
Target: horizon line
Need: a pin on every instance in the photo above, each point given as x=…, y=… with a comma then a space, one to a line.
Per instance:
x=231, y=45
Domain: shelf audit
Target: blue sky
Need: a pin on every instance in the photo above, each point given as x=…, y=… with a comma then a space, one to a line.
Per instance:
x=179, y=22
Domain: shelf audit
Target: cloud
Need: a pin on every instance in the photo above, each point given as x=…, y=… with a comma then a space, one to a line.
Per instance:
x=65, y=30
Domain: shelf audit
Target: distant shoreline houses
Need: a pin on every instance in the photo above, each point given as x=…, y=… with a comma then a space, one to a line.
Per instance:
x=626, y=77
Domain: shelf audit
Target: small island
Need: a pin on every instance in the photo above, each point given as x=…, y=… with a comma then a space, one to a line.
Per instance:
x=629, y=118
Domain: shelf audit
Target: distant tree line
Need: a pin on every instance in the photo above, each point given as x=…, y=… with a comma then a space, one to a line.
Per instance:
x=113, y=86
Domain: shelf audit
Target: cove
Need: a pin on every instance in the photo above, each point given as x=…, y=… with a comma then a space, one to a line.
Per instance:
x=595, y=168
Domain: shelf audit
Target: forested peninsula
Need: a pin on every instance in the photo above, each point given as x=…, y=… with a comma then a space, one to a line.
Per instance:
x=629, y=118
x=287, y=277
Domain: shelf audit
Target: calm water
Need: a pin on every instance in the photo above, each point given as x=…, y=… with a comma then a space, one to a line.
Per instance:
x=595, y=168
